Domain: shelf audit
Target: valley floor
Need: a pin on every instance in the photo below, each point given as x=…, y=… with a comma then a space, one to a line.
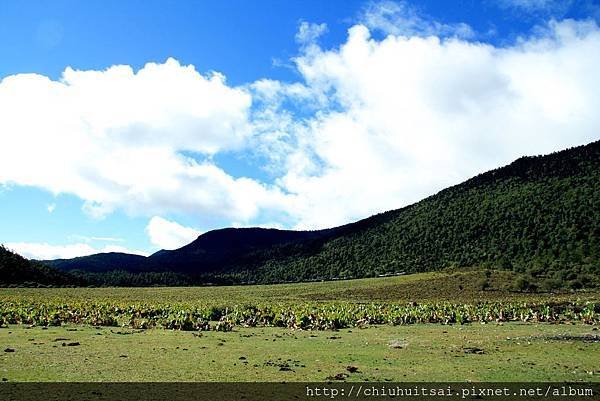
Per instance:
x=423, y=352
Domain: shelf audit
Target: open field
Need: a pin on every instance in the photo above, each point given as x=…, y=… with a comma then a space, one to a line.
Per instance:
x=301, y=332
x=456, y=287
x=509, y=352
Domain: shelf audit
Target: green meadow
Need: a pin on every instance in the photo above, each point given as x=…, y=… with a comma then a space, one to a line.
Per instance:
x=422, y=327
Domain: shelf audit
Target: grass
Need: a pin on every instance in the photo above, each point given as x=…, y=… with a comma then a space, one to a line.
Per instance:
x=509, y=352
x=457, y=287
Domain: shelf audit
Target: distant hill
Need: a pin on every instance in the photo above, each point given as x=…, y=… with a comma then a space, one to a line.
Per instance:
x=16, y=270
x=219, y=250
x=538, y=216
x=101, y=262
x=210, y=252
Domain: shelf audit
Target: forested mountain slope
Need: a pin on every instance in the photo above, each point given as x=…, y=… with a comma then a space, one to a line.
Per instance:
x=539, y=215
x=15, y=269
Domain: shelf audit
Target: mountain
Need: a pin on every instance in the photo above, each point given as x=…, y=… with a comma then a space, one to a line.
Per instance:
x=218, y=250
x=16, y=270
x=101, y=262
x=210, y=252
x=539, y=216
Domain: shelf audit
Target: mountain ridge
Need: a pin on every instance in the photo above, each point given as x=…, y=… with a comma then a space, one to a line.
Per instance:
x=538, y=213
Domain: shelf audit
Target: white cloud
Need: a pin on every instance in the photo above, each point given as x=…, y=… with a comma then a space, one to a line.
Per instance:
x=372, y=125
x=408, y=116
x=107, y=239
x=51, y=207
x=402, y=18
x=88, y=239
x=554, y=7
x=45, y=251
x=309, y=33
x=118, y=139
x=166, y=234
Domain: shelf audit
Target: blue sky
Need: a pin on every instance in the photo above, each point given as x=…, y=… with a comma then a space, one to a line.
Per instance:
x=137, y=125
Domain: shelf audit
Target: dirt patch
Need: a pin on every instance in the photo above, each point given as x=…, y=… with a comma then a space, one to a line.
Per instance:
x=473, y=350
x=586, y=338
x=339, y=376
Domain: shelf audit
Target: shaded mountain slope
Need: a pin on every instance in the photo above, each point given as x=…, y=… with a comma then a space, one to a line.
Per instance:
x=218, y=250
x=213, y=251
x=15, y=269
x=101, y=262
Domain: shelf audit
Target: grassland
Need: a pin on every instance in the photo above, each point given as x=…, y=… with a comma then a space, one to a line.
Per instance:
x=508, y=352
x=302, y=332
x=456, y=287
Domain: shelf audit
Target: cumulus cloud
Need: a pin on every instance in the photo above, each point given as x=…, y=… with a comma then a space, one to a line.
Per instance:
x=139, y=141
x=408, y=116
x=45, y=251
x=166, y=234
x=372, y=125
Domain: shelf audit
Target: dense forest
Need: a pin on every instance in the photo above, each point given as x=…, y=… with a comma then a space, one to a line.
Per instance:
x=538, y=217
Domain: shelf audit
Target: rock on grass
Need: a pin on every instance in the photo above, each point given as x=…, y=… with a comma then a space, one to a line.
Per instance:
x=398, y=344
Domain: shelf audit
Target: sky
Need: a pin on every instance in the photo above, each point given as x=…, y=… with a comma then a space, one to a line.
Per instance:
x=134, y=126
